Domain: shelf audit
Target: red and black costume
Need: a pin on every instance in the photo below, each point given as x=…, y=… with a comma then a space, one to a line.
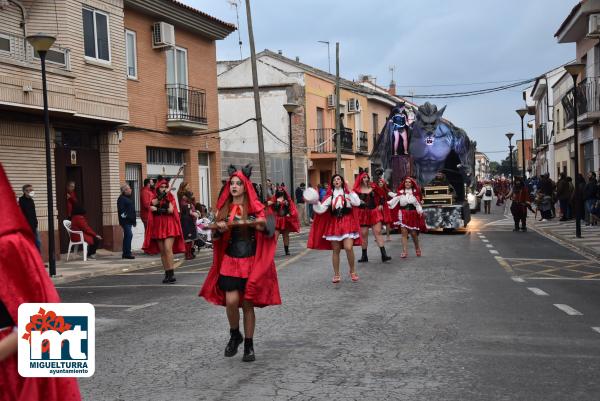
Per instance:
x=285, y=211
x=368, y=213
x=243, y=258
x=162, y=224
x=383, y=195
x=23, y=279
x=408, y=201
x=520, y=203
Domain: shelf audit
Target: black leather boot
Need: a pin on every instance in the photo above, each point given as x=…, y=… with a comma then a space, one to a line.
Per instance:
x=248, y=351
x=384, y=256
x=234, y=342
x=287, y=250
x=364, y=258
x=172, y=278
x=166, y=279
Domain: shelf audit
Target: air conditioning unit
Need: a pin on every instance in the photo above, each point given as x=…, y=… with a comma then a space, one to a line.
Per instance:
x=594, y=25
x=163, y=35
x=331, y=101
x=353, y=106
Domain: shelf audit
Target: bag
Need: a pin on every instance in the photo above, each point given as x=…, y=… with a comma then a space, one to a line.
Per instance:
x=488, y=192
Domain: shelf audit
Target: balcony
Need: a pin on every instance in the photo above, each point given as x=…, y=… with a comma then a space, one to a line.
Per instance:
x=325, y=141
x=588, y=103
x=363, y=142
x=541, y=136
x=186, y=107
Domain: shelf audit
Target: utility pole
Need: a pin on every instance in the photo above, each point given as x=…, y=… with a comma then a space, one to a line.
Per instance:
x=259, y=128
x=338, y=134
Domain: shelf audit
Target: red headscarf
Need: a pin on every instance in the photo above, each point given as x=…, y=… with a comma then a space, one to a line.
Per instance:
x=381, y=191
x=23, y=279
x=358, y=182
x=415, y=187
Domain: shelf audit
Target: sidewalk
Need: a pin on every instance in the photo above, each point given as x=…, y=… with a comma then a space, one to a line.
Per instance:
x=564, y=231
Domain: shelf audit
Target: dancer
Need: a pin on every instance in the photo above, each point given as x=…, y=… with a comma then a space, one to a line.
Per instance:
x=369, y=214
x=410, y=215
x=335, y=226
x=286, y=213
x=520, y=203
x=23, y=279
x=243, y=272
x=385, y=194
x=188, y=218
x=164, y=234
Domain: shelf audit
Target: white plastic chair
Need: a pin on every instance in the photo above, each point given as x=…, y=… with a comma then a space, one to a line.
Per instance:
x=67, y=224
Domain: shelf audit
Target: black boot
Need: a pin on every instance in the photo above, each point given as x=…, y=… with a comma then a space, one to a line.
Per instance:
x=169, y=277
x=234, y=342
x=384, y=256
x=248, y=351
x=166, y=279
x=364, y=258
x=287, y=249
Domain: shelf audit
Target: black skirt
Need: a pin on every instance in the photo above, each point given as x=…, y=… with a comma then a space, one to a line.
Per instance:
x=228, y=283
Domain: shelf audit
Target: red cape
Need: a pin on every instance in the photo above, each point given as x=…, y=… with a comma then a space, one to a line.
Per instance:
x=262, y=287
x=293, y=218
x=150, y=245
x=23, y=279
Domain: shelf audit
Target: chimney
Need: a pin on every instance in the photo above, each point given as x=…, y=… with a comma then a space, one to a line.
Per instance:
x=280, y=52
x=392, y=88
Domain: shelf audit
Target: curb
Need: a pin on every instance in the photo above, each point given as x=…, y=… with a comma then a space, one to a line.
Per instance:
x=582, y=249
x=105, y=272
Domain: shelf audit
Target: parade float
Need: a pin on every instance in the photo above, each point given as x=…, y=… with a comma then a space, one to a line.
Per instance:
x=439, y=155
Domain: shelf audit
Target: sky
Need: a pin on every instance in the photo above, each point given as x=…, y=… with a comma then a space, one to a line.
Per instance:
x=435, y=46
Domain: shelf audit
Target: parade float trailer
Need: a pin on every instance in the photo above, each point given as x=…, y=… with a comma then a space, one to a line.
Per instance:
x=436, y=147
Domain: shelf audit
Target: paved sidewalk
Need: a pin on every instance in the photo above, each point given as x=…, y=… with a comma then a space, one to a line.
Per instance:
x=565, y=231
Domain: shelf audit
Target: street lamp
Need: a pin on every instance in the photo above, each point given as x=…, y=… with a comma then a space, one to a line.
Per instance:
x=290, y=108
x=510, y=148
x=41, y=43
x=522, y=113
x=574, y=70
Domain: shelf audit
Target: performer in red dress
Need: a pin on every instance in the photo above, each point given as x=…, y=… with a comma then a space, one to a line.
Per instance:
x=334, y=224
x=23, y=279
x=243, y=272
x=284, y=209
x=71, y=197
x=384, y=193
x=369, y=214
x=410, y=215
x=164, y=234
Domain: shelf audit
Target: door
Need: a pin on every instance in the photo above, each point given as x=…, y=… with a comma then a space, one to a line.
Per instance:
x=133, y=177
x=177, y=81
x=204, y=178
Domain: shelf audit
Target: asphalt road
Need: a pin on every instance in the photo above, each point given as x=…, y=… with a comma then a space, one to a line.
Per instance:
x=473, y=319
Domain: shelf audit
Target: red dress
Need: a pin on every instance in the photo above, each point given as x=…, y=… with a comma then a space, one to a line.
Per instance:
x=286, y=215
x=146, y=196
x=336, y=223
x=368, y=214
x=79, y=223
x=410, y=214
x=28, y=283
x=71, y=201
x=161, y=226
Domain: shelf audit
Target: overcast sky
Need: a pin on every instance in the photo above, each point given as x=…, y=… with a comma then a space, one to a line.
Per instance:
x=431, y=43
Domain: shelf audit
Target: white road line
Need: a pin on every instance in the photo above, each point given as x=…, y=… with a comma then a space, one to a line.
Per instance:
x=137, y=307
x=478, y=233
x=568, y=310
x=482, y=236
x=79, y=287
x=489, y=246
x=494, y=252
x=537, y=291
x=596, y=329
x=517, y=279
x=485, y=240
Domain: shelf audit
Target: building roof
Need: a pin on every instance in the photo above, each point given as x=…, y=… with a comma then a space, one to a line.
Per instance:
x=569, y=17
x=195, y=10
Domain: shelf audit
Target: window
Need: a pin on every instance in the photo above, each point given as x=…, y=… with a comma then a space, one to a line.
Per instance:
x=164, y=156
x=131, y=53
x=319, y=118
x=177, y=66
x=375, y=123
x=4, y=43
x=557, y=120
x=96, y=35
x=54, y=56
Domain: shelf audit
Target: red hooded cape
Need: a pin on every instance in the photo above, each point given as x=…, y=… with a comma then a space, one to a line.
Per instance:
x=23, y=279
x=292, y=222
x=382, y=193
x=262, y=287
x=320, y=223
x=150, y=245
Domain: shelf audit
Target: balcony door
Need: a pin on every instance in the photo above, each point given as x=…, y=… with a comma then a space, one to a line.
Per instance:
x=177, y=82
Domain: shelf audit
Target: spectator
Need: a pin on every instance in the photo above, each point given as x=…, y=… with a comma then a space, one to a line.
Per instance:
x=71, y=197
x=187, y=217
x=301, y=205
x=590, y=194
x=487, y=195
x=146, y=195
x=28, y=208
x=578, y=197
x=310, y=207
x=79, y=223
x=564, y=193
x=127, y=219
x=270, y=189
x=322, y=191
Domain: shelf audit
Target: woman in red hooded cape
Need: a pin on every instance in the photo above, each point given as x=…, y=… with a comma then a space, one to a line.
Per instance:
x=164, y=234
x=243, y=271
x=286, y=214
x=385, y=193
x=334, y=225
x=369, y=214
x=23, y=279
x=410, y=215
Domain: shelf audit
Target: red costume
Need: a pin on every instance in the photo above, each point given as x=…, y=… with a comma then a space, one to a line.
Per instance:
x=388, y=213
x=71, y=201
x=368, y=213
x=163, y=225
x=23, y=279
x=285, y=212
x=79, y=223
x=146, y=196
x=258, y=270
x=409, y=202
x=334, y=220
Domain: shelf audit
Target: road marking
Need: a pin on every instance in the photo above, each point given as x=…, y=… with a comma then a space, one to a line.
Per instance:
x=137, y=307
x=128, y=308
x=596, y=329
x=517, y=279
x=537, y=291
x=489, y=246
x=568, y=310
x=129, y=286
x=494, y=252
x=504, y=264
x=485, y=240
x=482, y=236
x=295, y=258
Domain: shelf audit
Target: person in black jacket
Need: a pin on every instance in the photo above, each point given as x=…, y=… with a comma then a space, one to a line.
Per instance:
x=127, y=219
x=28, y=208
x=590, y=193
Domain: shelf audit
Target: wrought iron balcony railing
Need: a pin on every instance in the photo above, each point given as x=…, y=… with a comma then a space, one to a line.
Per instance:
x=588, y=98
x=186, y=104
x=325, y=140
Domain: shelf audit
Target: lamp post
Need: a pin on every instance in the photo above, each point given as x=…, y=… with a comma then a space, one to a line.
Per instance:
x=574, y=70
x=325, y=42
x=522, y=113
x=510, y=148
x=290, y=108
x=41, y=43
